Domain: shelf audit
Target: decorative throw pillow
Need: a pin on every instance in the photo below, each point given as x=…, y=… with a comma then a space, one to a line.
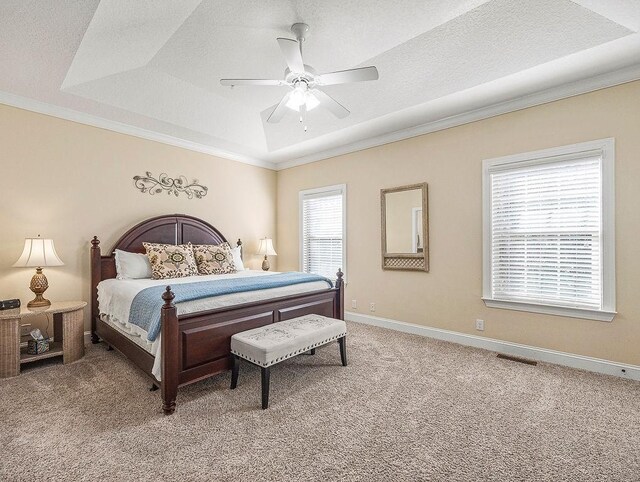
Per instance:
x=171, y=261
x=214, y=259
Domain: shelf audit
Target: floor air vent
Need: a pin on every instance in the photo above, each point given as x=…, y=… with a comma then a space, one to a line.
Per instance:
x=517, y=359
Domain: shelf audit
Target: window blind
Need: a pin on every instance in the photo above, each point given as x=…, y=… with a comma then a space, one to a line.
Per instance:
x=322, y=233
x=546, y=225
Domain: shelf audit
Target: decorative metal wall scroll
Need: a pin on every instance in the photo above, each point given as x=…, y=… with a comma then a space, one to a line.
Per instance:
x=170, y=185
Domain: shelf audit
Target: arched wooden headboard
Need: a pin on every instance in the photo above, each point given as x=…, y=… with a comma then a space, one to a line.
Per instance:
x=170, y=229
x=174, y=229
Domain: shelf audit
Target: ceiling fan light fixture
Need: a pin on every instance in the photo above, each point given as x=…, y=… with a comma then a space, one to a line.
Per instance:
x=308, y=99
x=312, y=101
x=297, y=98
x=301, y=95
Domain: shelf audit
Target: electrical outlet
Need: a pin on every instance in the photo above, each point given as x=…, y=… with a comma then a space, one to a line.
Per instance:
x=480, y=325
x=354, y=304
x=372, y=307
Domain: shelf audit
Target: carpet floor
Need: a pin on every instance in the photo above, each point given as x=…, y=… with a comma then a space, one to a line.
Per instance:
x=406, y=408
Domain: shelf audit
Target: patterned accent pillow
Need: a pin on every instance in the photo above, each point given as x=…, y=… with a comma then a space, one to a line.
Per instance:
x=171, y=261
x=214, y=259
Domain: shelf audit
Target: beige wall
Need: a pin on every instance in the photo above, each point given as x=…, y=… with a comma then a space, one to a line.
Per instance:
x=69, y=181
x=450, y=161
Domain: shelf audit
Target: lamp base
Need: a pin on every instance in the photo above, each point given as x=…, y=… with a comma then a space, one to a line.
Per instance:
x=38, y=302
x=39, y=285
x=265, y=264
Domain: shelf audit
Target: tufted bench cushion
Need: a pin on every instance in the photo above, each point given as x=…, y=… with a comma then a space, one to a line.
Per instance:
x=273, y=343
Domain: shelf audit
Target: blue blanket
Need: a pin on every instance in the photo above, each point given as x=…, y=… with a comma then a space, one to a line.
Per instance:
x=146, y=306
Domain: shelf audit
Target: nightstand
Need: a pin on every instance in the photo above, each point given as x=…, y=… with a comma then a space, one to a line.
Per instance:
x=68, y=335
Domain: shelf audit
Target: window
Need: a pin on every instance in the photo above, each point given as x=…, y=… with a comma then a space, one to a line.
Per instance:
x=548, y=222
x=322, y=230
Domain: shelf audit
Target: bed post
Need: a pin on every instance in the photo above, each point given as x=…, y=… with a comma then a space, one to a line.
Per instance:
x=170, y=349
x=96, y=274
x=340, y=295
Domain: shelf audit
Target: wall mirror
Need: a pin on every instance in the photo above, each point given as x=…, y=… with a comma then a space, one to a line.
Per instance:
x=405, y=228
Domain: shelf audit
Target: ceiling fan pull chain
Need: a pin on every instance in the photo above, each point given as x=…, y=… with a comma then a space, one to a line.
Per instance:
x=303, y=115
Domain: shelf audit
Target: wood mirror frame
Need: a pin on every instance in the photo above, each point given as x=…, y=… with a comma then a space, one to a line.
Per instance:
x=406, y=261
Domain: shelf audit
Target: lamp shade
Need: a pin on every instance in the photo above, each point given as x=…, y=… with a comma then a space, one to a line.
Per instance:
x=266, y=247
x=38, y=252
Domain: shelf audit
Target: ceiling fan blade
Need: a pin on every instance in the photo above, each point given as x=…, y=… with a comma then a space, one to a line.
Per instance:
x=280, y=109
x=233, y=82
x=335, y=107
x=351, y=75
x=292, y=54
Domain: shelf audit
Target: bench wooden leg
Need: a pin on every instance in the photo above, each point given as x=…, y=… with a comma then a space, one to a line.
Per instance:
x=234, y=371
x=265, y=387
x=343, y=350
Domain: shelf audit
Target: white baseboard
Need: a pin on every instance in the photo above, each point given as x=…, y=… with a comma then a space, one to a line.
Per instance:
x=597, y=365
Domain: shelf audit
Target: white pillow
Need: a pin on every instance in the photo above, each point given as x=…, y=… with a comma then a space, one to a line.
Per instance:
x=237, y=259
x=132, y=265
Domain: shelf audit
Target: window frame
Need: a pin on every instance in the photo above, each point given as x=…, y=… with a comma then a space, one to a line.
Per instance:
x=605, y=148
x=342, y=188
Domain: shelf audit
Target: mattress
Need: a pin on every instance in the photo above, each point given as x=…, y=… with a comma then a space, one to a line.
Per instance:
x=115, y=298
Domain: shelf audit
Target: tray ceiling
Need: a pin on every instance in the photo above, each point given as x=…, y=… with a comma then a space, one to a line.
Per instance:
x=155, y=66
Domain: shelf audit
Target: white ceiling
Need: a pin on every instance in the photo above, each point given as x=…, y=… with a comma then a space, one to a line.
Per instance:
x=152, y=67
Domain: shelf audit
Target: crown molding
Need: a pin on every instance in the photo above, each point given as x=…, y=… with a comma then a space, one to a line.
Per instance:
x=95, y=121
x=563, y=91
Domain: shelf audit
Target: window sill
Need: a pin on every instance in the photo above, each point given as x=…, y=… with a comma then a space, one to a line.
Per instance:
x=599, y=315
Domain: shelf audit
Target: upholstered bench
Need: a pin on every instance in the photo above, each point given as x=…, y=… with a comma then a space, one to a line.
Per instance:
x=271, y=344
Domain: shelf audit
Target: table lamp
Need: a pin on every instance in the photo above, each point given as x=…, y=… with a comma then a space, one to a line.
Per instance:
x=38, y=252
x=266, y=247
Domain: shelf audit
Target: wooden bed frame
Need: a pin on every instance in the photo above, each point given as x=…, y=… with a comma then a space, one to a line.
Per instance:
x=195, y=346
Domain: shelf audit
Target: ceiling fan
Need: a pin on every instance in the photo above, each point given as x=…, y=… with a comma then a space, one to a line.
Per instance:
x=305, y=83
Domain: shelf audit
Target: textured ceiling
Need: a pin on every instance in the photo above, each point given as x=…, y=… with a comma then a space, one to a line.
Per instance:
x=156, y=65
